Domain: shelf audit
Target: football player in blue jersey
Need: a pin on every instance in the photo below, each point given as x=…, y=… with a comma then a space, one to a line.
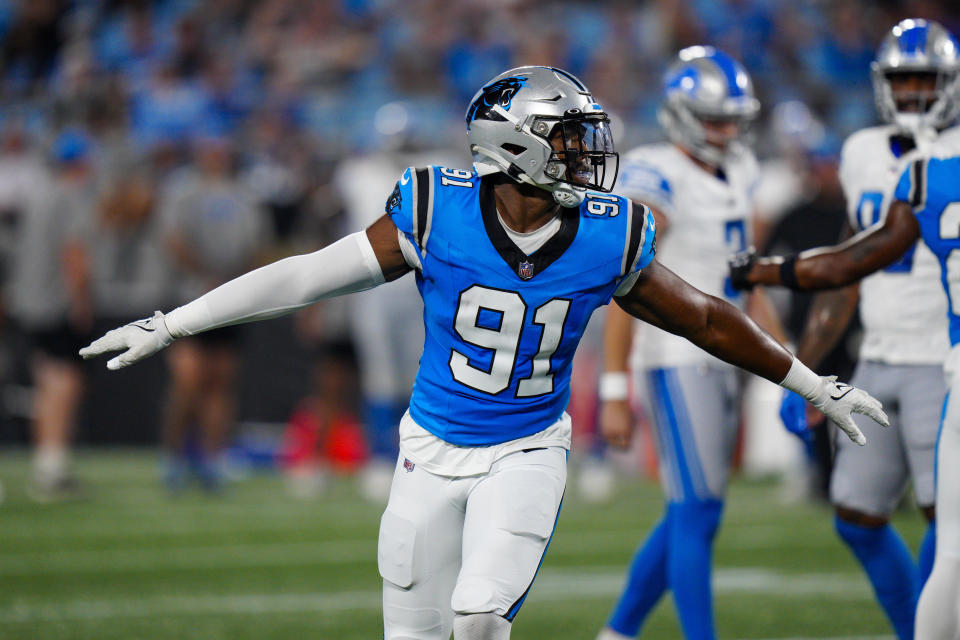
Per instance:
x=926, y=204
x=903, y=312
x=511, y=258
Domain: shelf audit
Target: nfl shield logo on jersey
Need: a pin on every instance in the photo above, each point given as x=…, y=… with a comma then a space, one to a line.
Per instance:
x=408, y=465
x=525, y=270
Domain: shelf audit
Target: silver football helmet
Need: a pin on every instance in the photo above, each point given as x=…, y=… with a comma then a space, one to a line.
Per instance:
x=541, y=126
x=918, y=46
x=707, y=85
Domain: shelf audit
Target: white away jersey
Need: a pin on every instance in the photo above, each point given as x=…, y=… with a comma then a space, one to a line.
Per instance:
x=903, y=308
x=709, y=220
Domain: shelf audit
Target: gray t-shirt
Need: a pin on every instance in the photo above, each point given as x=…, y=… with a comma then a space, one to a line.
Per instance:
x=221, y=225
x=58, y=214
x=130, y=272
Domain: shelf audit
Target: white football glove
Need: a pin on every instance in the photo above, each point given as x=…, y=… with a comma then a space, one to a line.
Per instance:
x=837, y=400
x=138, y=340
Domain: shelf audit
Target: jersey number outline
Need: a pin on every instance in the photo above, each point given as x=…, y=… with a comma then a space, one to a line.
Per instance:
x=735, y=237
x=503, y=340
x=455, y=178
x=601, y=205
x=869, y=209
x=950, y=230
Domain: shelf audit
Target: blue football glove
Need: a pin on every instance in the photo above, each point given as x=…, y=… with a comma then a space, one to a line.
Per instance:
x=793, y=412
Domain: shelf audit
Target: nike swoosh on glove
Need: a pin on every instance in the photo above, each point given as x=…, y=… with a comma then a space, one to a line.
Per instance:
x=137, y=340
x=837, y=400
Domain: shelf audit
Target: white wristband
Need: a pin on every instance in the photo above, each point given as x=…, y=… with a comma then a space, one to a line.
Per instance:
x=803, y=381
x=614, y=385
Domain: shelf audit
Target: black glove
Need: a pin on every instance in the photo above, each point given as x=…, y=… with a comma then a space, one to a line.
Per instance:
x=740, y=264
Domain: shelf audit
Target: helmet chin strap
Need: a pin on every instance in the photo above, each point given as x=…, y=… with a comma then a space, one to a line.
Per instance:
x=564, y=194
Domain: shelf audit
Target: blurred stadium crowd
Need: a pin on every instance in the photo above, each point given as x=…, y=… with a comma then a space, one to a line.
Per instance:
x=171, y=145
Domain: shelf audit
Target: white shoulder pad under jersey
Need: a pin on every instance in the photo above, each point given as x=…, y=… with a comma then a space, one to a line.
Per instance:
x=903, y=307
x=709, y=219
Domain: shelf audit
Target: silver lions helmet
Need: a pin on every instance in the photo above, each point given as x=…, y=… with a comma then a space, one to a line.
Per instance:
x=708, y=104
x=917, y=47
x=541, y=126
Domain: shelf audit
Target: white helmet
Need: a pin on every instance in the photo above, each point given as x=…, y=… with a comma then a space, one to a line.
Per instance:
x=513, y=118
x=918, y=46
x=706, y=84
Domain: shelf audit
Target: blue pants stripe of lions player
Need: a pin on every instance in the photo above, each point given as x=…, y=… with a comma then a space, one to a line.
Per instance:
x=695, y=441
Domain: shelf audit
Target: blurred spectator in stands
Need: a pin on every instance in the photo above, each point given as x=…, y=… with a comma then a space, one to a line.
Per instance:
x=29, y=48
x=49, y=296
x=279, y=174
x=213, y=232
x=797, y=138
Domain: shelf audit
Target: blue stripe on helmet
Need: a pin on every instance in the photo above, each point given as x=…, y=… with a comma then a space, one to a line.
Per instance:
x=730, y=69
x=913, y=41
x=675, y=81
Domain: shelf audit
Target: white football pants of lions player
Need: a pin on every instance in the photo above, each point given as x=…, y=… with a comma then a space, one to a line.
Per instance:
x=457, y=546
x=938, y=613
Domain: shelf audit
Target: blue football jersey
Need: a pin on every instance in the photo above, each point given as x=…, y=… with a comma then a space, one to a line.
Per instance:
x=502, y=326
x=932, y=187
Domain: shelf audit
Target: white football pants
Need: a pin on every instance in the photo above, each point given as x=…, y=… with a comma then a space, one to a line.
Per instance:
x=938, y=613
x=465, y=545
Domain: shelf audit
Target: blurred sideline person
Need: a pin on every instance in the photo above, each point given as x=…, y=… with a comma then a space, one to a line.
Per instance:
x=903, y=310
x=388, y=344
x=213, y=231
x=511, y=260
x=49, y=296
x=130, y=275
x=699, y=188
x=925, y=204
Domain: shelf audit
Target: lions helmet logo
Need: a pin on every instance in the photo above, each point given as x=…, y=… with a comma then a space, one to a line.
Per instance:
x=500, y=93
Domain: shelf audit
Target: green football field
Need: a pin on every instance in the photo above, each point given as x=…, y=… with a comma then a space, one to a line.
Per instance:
x=131, y=562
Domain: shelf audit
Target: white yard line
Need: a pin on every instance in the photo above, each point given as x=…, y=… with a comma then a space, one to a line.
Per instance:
x=551, y=586
x=133, y=558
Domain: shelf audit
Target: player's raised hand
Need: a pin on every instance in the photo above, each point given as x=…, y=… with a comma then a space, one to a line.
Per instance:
x=837, y=400
x=616, y=423
x=137, y=340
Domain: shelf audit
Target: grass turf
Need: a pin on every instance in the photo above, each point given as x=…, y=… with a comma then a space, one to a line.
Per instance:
x=133, y=562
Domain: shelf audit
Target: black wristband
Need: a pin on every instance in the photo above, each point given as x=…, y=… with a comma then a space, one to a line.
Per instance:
x=788, y=273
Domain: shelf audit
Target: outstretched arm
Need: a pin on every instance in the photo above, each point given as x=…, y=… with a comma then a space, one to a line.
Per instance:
x=845, y=263
x=665, y=300
x=827, y=320
x=357, y=262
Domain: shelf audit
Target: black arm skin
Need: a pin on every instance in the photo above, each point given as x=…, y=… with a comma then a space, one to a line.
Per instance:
x=828, y=318
x=386, y=246
x=668, y=302
x=848, y=262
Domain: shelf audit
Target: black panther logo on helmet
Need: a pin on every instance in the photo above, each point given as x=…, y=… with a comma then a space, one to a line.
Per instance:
x=500, y=92
x=393, y=202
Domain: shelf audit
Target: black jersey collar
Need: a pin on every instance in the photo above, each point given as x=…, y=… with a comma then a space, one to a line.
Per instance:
x=524, y=266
